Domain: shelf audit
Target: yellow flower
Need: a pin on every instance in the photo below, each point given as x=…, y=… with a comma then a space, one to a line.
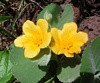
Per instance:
x=67, y=41
x=34, y=38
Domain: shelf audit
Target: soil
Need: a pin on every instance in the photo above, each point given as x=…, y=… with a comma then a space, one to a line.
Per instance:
x=86, y=15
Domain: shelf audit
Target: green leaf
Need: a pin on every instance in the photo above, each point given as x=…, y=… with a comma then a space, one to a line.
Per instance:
x=4, y=18
x=5, y=67
x=45, y=57
x=56, y=21
x=69, y=74
x=25, y=70
x=67, y=16
x=91, y=57
x=48, y=16
x=54, y=9
x=69, y=69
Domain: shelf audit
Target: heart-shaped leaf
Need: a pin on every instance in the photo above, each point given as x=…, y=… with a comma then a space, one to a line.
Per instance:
x=91, y=57
x=54, y=9
x=69, y=69
x=44, y=60
x=25, y=70
x=67, y=16
x=43, y=57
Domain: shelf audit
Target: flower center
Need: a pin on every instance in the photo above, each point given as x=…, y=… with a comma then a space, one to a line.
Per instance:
x=67, y=45
x=38, y=41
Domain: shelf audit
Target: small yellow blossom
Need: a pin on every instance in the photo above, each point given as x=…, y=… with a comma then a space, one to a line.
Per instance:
x=67, y=41
x=34, y=38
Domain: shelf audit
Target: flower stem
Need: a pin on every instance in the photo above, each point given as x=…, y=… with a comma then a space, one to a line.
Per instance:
x=62, y=58
x=50, y=80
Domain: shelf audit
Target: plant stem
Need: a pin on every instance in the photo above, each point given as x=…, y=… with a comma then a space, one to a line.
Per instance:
x=36, y=3
x=20, y=5
x=16, y=18
x=50, y=80
x=6, y=32
x=62, y=58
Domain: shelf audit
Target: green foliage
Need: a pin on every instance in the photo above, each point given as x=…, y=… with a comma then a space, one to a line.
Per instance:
x=25, y=70
x=69, y=74
x=67, y=16
x=69, y=69
x=91, y=59
x=55, y=10
x=4, y=18
x=48, y=16
x=45, y=57
x=47, y=67
x=5, y=67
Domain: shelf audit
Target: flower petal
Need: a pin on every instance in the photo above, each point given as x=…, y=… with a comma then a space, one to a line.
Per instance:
x=56, y=35
x=69, y=54
x=29, y=28
x=31, y=52
x=56, y=41
x=75, y=49
x=34, y=38
x=20, y=41
x=43, y=24
x=46, y=40
x=68, y=31
x=56, y=49
x=79, y=38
